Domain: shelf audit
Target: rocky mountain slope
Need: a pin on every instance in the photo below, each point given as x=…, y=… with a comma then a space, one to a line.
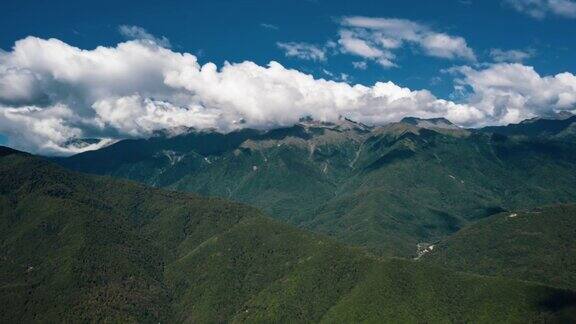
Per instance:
x=387, y=188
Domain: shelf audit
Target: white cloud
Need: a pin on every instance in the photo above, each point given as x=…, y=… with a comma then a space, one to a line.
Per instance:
x=269, y=26
x=137, y=116
x=18, y=86
x=352, y=44
x=139, y=33
x=542, y=8
x=137, y=88
x=38, y=129
x=360, y=65
x=377, y=39
x=499, y=55
x=566, y=8
x=303, y=51
x=511, y=92
x=446, y=46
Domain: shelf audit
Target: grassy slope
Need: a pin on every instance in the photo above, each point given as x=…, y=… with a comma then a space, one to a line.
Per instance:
x=535, y=245
x=82, y=248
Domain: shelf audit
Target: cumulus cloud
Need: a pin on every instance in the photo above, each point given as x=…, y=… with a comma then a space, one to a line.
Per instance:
x=53, y=93
x=139, y=33
x=541, y=8
x=303, y=51
x=18, y=86
x=378, y=38
x=446, y=46
x=499, y=55
x=351, y=44
x=512, y=92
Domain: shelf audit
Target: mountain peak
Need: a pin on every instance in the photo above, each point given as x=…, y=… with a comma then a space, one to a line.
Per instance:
x=561, y=124
x=441, y=123
x=343, y=123
x=4, y=151
x=562, y=115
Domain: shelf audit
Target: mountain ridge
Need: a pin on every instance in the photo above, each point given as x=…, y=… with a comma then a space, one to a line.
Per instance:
x=387, y=188
x=77, y=247
x=438, y=124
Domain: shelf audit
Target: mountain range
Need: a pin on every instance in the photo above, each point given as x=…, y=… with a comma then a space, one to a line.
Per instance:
x=84, y=248
x=385, y=188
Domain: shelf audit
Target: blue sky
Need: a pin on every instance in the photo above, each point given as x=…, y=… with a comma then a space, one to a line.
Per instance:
x=219, y=30
x=541, y=34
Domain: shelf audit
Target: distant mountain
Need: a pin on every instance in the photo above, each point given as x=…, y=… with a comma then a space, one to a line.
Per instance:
x=433, y=123
x=557, y=126
x=387, y=188
x=78, y=144
x=553, y=116
x=78, y=248
x=537, y=245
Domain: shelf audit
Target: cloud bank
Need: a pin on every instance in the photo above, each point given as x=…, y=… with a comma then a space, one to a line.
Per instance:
x=52, y=93
x=511, y=92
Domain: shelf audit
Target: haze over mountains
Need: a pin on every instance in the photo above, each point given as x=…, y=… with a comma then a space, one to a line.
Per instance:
x=387, y=188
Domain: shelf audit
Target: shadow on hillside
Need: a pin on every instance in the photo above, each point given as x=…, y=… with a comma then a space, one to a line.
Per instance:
x=562, y=303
